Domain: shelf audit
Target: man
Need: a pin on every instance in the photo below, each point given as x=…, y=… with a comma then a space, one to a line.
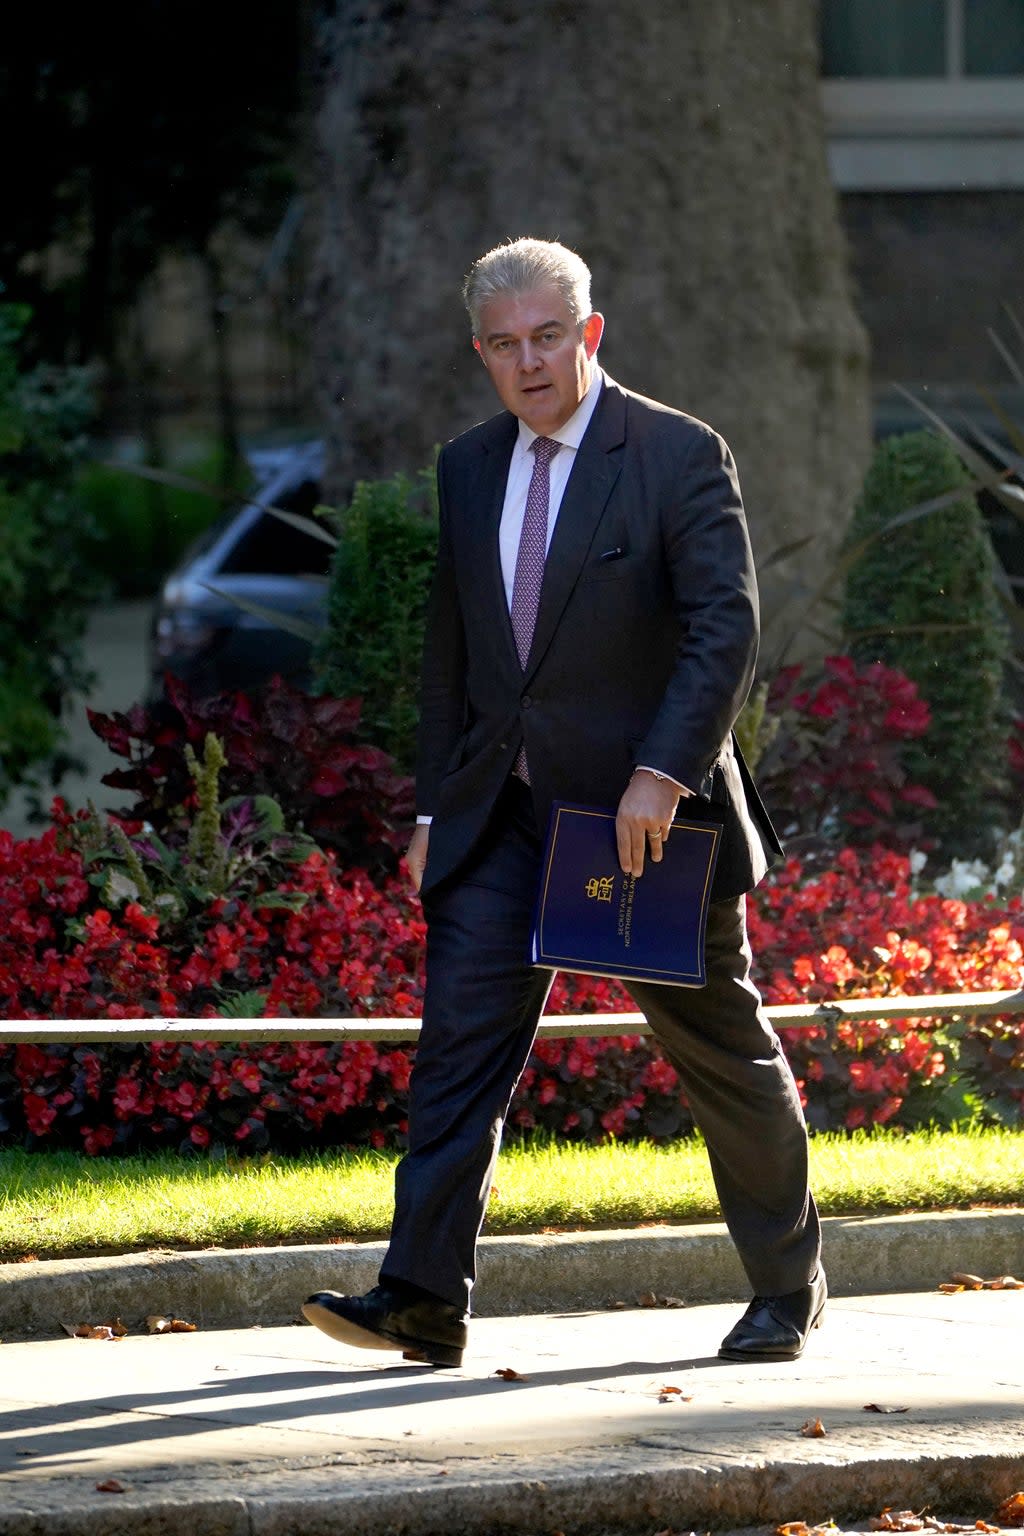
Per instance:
x=591, y=637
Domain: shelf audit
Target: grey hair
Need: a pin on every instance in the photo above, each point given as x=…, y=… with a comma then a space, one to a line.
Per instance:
x=520, y=266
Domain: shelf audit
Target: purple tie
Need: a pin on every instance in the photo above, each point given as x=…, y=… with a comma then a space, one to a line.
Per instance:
x=533, y=546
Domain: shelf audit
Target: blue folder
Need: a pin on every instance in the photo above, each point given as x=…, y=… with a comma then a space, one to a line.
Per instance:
x=592, y=918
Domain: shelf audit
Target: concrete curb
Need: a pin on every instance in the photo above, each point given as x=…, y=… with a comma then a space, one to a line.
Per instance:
x=623, y=1499
x=231, y=1288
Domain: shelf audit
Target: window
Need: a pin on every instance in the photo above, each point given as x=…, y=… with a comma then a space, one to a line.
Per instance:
x=924, y=94
x=275, y=548
x=943, y=39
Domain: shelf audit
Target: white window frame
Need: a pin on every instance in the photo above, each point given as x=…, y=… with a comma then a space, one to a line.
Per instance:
x=954, y=133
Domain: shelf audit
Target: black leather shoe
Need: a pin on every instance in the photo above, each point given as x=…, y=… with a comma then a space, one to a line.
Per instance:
x=776, y=1327
x=386, y=1318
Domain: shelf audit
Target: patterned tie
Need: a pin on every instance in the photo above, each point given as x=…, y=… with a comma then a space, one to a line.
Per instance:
x=533, y=544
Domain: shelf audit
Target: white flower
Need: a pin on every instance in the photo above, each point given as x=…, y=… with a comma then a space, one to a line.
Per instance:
x=1006, y=871
x=918, y=860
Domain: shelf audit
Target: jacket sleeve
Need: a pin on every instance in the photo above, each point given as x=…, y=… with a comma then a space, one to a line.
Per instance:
x=443, y=676
x=704, y=537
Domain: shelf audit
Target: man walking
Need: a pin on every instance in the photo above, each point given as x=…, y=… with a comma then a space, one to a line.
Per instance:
x=591, y=637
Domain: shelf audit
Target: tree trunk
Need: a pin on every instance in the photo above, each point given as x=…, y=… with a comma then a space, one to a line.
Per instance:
x=680, y=148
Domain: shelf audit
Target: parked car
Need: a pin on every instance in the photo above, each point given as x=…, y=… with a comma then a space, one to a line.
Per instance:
x=199, y=633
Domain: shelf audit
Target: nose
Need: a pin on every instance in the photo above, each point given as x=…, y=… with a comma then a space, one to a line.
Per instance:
x=529, y=357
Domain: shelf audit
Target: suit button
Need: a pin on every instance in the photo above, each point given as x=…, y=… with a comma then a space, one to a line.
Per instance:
x=526, y=701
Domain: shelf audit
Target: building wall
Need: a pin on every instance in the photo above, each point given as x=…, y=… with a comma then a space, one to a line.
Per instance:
x=932, y=271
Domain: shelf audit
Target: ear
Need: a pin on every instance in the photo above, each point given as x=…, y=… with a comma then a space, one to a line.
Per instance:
x=476, y=349
x=593, y=330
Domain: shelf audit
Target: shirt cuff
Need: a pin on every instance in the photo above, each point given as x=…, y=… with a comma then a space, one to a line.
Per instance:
x=424, y=821
x=646, y=768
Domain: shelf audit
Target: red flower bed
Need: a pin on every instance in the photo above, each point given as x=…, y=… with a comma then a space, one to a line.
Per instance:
x=349, y=947
x=858, y=930
x=833, y=767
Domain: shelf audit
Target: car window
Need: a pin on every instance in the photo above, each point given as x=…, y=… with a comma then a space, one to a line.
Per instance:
x=274, y=548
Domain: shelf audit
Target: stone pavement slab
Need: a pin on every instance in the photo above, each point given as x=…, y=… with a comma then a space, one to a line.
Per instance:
x=281, y=1431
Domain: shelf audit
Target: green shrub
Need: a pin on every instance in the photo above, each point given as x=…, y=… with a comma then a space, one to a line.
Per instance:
x=380, y=578
x=46, y=584
x=922, y=598
x=143, y=529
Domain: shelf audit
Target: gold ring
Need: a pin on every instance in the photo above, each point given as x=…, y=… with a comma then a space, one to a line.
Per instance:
x=656, y=833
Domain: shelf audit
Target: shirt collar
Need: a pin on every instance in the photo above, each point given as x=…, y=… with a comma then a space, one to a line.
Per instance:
x=571, y=433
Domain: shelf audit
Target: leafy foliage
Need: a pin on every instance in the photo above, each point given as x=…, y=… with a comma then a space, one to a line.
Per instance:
x=46, y=584
x=380, y=578
x=143, y=528
x=831, y=750
x=302, y=752
x=923, y=599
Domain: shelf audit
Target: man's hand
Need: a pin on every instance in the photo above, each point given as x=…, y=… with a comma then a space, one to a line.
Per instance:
x=416, y=854
x=644, y=819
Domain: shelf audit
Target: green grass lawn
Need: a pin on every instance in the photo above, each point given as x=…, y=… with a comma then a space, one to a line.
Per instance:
x=57, y=1204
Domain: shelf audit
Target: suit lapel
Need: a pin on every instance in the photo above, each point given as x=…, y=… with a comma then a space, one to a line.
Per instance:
x=594, y=473
x=485, y=502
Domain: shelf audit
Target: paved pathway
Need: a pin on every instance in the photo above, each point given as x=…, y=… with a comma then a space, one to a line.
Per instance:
x=280, y=1430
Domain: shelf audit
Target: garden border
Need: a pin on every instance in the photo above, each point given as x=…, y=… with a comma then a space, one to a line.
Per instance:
x=552, y=1026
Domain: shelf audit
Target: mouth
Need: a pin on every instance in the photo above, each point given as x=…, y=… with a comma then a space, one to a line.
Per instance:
x=535, y=389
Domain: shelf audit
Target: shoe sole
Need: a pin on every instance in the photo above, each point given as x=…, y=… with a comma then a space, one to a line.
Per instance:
x=347, y=1332
x=743, y=1356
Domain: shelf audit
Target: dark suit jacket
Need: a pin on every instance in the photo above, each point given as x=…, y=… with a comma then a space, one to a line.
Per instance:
x=641, y=657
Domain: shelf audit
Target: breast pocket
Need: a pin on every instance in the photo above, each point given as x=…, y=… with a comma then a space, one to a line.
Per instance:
x=609, y=570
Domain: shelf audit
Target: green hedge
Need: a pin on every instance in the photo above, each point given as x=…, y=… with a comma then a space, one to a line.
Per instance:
x=380, y=579
x=47, y=582
x=922, y=598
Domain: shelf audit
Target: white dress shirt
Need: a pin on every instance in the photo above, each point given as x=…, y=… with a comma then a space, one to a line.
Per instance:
x=520, y=473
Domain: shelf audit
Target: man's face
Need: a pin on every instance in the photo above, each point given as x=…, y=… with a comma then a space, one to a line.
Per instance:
x=538, y=357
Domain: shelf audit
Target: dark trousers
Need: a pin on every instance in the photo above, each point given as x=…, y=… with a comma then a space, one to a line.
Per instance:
x=480, y=1012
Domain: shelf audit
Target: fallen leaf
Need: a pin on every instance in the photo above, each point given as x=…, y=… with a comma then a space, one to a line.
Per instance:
x=111, y=1485
x=883, y=1408
x=801, y=1528
x=950, y=1290
x=669, y=1391
x=652, y=1299
x=983, y=1525
x=617, y=1306
x=115, y=1330
x=1011, y=1510
x=900, y=1520
x=813, y=1429
x=157, y=1324
x=965, y=1282
x=508, y=1374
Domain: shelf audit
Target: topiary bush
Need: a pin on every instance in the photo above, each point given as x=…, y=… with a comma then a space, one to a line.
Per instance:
x=921, y=598
x=380, y=579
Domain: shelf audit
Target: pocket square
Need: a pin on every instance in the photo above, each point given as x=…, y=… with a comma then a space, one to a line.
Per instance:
x=612, y=554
